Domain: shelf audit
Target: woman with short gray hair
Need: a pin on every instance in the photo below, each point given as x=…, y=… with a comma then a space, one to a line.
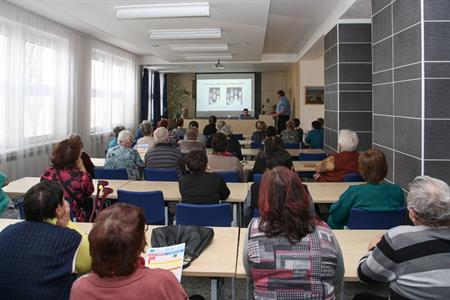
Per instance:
x=147, y=130
x=124, y=156
x=414, y=260
x=336, y=166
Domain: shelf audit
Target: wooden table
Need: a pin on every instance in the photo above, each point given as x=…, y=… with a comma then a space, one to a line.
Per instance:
x=19, y=187
x=218, y=260
x=292, y=152
x=328, y=192
x=299, y=166
x=98, y=162
x=353, y=244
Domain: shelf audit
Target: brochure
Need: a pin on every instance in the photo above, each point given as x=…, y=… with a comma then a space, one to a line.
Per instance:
x=167, y=258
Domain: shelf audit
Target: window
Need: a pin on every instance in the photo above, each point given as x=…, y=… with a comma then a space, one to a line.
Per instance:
x=112, y=91
x=34, y=87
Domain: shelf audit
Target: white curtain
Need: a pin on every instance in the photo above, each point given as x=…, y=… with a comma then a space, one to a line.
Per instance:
x=35, y=88
x=48, y=74
x=113, y=89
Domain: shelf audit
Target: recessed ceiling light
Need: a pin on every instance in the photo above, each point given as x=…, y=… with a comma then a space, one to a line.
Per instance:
x=181, y=34
x=208, y=57
x=168, y=10
x=199, y=47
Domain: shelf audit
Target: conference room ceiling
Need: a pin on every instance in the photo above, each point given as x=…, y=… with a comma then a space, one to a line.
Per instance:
x=275, y=33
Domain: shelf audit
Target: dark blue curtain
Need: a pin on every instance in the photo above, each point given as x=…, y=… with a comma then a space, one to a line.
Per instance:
x=156, y=98
x=144, y=95
x=164, y=100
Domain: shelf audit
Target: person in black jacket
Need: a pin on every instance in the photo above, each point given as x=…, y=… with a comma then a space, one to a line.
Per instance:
x=201, y=187
x=233, y=144
x=210, y=129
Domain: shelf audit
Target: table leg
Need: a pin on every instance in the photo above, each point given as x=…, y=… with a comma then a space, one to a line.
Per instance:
x=233, y=291
x=166, y=215
x=214, y=288
x=342, y=294
x=235, y=215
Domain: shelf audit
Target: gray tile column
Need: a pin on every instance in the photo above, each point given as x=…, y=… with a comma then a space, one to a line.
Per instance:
x=411, y=86
x=348, y=83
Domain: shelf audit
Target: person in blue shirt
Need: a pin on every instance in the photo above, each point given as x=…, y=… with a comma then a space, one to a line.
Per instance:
x=283, y=112
x=7, y=210
x=113, y=142
x=315, y=136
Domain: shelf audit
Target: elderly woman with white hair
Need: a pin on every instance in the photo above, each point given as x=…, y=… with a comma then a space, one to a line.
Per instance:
x=164, y=155
x=124, y=156
x=147, y=130
x=336, y=166
x=414, y=260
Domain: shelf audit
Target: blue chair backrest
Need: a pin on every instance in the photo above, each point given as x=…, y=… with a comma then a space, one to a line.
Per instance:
x=291, y=146
x=363, y=219
x=230, y=176
x=254, y=145
x=153, y=174
x=151, y=202
x=204, y=215
x=312, y=156
x=353, y=177
x=102, y=173
x=239, y=136
x=256, y=213
x=257, y=177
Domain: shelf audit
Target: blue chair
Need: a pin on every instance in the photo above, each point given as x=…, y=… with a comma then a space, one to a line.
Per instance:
x=257, y=177
x=204, y=215
x=353, y=177
x=292, y=146
x=154, y=174
x=102, y=173
x=256, y=213
x=362, y=219
x=312, y=156
x=239, y=136
x=151, y=202
x=230, y=176
x=254, y=145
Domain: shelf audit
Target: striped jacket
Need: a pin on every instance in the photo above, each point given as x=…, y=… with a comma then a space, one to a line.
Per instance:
x=414, y=260
x=165, y=156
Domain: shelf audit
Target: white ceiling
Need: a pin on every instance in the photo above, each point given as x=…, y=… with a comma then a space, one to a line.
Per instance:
x=261, y=34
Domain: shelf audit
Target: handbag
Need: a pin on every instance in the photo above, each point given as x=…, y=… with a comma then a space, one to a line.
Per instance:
x=196, y=239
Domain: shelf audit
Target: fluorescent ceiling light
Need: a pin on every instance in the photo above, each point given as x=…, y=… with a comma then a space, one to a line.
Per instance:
x=185, y=34
x=169, y=10
x=208, y=57
x=199, y=47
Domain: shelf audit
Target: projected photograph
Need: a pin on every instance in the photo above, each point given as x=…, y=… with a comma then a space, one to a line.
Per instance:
x=234, y=95
x=214, y=95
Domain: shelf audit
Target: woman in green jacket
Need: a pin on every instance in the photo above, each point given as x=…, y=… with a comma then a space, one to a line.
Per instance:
x=376, y=195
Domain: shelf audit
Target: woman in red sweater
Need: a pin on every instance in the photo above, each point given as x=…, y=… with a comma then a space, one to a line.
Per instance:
x=117, y=241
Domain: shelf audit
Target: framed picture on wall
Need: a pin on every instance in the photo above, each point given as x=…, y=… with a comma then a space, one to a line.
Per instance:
x=314, y=95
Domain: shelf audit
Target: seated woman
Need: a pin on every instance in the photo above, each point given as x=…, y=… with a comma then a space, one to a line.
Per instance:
x=69, y=171
x=336, y=166
x=87, y=162
x=233, y=144
x=117, y=242
x=259, y=135
x=414, y=260
x=289, y=135
x=180, y=130
x=7, y=209
x=220, y=124
x=201, y=137
x=376, y=195
x=147, y=130
x=201, y=187
x=113, y=142
x=124, y=156
x=191, y=143
x=220, y=160
x=287, y=252
x=42, y=256
x=273, y=159
x=272, y=144
x=315, y=136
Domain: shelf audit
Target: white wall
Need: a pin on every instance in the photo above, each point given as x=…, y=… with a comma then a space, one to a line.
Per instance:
x=311, y=74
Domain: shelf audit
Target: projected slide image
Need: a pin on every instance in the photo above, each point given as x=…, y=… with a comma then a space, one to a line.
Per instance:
x=234, y=95
x=214, y=95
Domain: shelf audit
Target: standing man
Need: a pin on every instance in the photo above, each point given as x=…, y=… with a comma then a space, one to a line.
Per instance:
x=283, y=112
